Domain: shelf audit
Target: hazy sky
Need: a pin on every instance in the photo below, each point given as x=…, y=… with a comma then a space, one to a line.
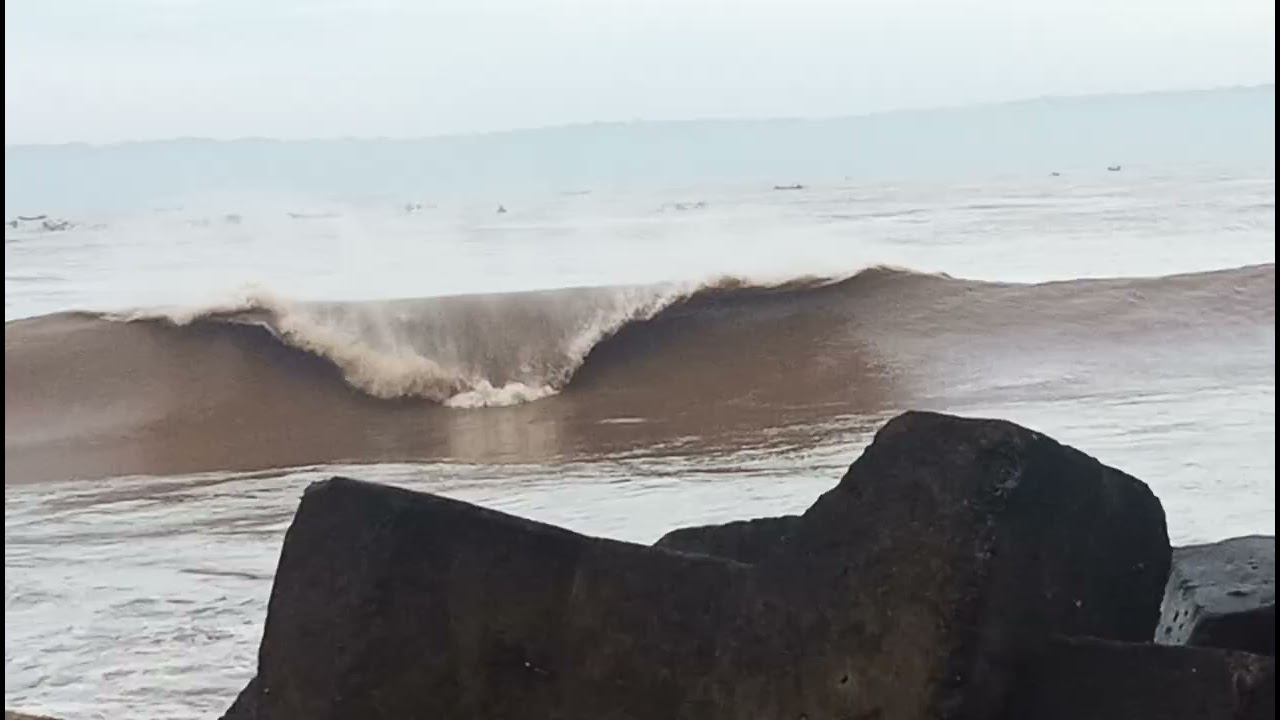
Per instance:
x=106, y=70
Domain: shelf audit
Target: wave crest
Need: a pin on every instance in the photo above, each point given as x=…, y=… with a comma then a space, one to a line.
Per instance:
x=474, y=351
x=462, y=352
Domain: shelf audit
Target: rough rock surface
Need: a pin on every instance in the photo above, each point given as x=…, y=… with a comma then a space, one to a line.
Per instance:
x=911, y=590
x=1102, y=680
x=744, y=540
x=1222, y=595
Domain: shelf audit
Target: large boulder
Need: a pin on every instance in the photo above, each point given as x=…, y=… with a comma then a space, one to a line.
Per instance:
x=950, y=550
x=394, y=604
x=1222, y=595
x=743, y=540
x=1079, y=678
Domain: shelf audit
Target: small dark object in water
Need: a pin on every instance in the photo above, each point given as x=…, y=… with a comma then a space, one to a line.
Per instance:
x=32, y=218
x=1055, y=174
x=1113, y=168
x=797, y=186
x=501, y=210
x=690, y=206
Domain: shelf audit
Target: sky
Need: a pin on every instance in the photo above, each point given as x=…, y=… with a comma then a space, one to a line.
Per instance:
x=116, y=70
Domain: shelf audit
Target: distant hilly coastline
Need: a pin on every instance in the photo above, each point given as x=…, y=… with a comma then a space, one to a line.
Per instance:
x=1231, y=126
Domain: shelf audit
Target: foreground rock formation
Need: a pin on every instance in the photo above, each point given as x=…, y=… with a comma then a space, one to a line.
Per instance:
x=1078, y=679
x=744, y=540
x=1222, y=595
x=951, y=552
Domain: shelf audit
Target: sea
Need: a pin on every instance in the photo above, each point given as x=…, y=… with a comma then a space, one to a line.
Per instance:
x=621, y=362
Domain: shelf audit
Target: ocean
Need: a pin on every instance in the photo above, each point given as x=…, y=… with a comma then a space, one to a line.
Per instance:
x=620, y=362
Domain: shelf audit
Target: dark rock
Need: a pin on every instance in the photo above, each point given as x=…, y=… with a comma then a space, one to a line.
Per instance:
x=1103, y=680
x=245, y=705
x=11, y=715
x=394, y=604
x=949, y=550
x=1222, y=595
x=745, y=540
x=998, y=532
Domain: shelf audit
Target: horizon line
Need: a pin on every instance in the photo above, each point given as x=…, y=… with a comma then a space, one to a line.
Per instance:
x=616, y=123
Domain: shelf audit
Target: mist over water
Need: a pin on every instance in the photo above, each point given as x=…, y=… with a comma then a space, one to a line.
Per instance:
x=620, y=361
x=1143, y=221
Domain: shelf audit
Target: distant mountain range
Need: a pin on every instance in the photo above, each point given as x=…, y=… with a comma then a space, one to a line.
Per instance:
x=1168, y=129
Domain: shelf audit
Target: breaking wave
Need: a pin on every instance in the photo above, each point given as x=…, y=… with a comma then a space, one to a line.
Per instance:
x=465, y=351
x=269, y=382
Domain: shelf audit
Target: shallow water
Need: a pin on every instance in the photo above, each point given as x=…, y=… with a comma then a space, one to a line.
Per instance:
x=144, y=596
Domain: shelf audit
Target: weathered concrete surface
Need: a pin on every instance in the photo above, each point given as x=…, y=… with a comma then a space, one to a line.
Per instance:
x=1222, y=595
x=1073, y=679
x=949, y=550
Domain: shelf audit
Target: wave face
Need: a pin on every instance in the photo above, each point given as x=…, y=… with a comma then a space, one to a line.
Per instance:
x=462, y=352
x=267, y=382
